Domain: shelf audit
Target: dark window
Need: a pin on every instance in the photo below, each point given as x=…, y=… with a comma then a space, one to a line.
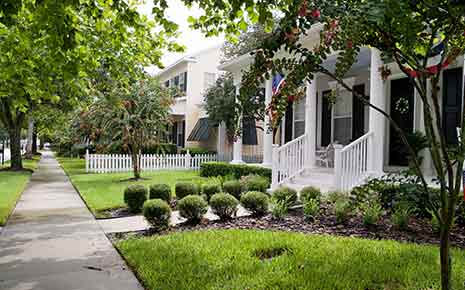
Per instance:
x=452, y=104
x=326, y=120
x=167, y=84
x=184, y=85
x=176, y=81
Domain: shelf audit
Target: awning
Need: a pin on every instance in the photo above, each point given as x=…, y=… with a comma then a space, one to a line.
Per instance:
x=249, y=132
x=201, y=130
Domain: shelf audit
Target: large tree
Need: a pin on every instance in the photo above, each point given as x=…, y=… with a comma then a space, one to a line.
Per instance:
x=51, y=50
x=423, y=37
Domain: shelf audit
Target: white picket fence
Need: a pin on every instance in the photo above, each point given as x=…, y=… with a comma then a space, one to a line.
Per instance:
x=108, y=163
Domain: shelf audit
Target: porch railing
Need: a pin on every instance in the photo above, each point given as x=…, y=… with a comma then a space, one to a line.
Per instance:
x=351, y=163
x=289, y=160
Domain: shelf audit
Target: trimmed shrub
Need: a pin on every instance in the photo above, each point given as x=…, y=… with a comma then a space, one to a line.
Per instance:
x=342, y=210
x=371, y=213
x=311, y=209
x=210, y=189
x=255, y=202
x=192, y=208
x=233, y=187
x=212, y=169
x=309, y=192
x=161, y=191
x=285, y=194
x=401, y=217
x=134, y=196
x=224, y=205
x=157, y=212
x=255, y=182
x=183, y=189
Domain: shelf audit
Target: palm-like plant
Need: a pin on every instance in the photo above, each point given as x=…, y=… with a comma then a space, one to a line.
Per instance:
x=132, y=116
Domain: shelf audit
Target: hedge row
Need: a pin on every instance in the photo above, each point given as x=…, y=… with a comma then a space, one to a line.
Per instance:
x=213, y=169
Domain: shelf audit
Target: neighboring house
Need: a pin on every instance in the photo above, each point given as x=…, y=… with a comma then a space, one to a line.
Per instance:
x=336, y=147
x=192, y=75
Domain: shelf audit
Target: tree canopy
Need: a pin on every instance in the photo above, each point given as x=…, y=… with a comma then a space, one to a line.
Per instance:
x=50, y=51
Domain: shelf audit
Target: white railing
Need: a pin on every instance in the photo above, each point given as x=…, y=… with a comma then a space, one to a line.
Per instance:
x=108, y=163
x=351, y=163
x=289, y=160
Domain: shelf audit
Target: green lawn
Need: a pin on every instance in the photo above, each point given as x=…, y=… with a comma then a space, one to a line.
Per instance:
x=225, y=260
x=12, y=185
x=105, y=191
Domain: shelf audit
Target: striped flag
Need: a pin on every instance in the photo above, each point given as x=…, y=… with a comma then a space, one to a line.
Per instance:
x=278, y=83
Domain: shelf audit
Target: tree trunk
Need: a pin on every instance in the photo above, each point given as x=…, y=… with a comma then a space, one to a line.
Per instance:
x=136, y=163
x=30, y=133
x=34, y=142
x=42, y=142
x=15, y=147
x=445, y=258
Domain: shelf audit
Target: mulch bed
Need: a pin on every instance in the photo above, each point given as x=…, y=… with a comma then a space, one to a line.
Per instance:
x=419, y=230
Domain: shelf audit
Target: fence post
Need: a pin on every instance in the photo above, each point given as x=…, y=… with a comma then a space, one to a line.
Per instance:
x=275, y=167
x=187, y=161
x=87, y=160
x=338, y=166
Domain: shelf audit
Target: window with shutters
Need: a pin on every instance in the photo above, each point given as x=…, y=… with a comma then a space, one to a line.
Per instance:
x=299, y=117
x=342, y=118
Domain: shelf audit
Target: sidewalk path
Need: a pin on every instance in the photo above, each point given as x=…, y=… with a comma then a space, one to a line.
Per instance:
x=52, y=242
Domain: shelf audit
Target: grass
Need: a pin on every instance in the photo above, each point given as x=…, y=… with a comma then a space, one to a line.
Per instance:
x=228, y=259
x=12, y=185
x=102, y=192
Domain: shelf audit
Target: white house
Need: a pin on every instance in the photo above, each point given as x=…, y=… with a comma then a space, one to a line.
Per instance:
x=192, y=75
x=364, y=142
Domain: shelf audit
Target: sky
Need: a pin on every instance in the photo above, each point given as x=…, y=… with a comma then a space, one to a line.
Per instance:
x=193, y=40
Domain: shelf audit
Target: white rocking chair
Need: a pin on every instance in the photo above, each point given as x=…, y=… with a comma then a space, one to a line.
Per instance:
x=324, y=156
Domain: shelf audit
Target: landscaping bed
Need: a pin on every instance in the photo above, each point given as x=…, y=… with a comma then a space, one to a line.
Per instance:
x=250, y=259
x=419, y=231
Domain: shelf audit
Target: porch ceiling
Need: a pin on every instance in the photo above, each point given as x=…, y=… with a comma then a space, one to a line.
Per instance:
x=362, y=63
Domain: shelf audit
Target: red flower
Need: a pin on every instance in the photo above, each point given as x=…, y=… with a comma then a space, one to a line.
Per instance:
x=291, y=98
x=349, y=44
x=334, y=23
x=303, y=9
x=315, y=13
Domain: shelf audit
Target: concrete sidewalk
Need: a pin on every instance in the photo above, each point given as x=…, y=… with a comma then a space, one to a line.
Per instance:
x=53, y=242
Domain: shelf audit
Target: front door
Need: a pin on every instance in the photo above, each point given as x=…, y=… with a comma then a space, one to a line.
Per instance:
x=288, y=122
x=402, y=111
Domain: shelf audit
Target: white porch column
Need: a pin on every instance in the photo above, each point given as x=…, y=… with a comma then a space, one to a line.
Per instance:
x=377, y=120
x=237, y=146
x=268, y=134
x=310, y=121
x=221, y=142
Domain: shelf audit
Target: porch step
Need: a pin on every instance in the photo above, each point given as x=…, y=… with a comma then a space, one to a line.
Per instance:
x=322, y=178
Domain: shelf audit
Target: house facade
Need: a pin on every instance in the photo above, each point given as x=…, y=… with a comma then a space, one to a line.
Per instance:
x=337, y=147
x=192, y=76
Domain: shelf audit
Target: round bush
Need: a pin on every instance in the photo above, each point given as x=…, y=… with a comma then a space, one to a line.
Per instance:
x=285, y=194
x=255, y=183
x=210, y=189
x=161, y=191
x=309, y=192
x=192, y=207
x=183, y=189
x=224, y=205
x=255, y=202
x=134, y=196
x=157, y=212
x=233, y=187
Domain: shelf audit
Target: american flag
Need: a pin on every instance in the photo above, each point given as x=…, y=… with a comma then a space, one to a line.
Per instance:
x=278, y=82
